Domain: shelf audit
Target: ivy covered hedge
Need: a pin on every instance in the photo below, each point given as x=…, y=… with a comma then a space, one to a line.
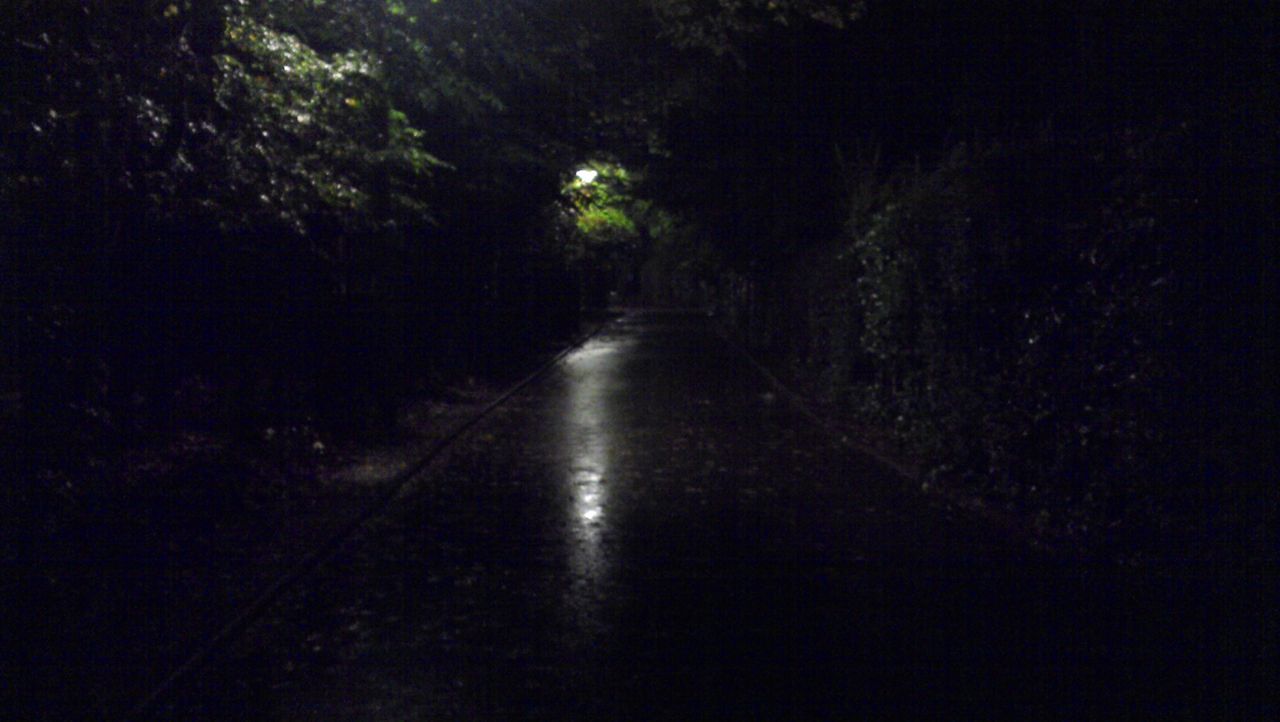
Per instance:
x=1026, y=319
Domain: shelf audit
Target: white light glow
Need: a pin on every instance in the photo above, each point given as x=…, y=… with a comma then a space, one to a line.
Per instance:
x=586, y=175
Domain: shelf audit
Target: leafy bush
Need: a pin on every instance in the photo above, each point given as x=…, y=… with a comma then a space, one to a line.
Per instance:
x=248, y=194
x=1025, y=319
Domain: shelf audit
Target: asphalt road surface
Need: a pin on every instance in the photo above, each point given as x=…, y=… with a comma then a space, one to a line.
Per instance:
x=646, y=533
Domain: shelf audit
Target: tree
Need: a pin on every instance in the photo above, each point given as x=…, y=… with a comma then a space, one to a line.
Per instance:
x=723, y=25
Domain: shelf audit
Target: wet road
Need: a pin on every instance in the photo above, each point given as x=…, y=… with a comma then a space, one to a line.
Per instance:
x=646, y=534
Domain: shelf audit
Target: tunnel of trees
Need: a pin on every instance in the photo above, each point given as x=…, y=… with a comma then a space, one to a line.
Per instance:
x=1027, y=244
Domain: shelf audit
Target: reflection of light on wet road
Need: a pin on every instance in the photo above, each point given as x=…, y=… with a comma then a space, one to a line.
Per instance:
x=588, y=498
x=598, y=354
x=586, y=558
x=585, y=433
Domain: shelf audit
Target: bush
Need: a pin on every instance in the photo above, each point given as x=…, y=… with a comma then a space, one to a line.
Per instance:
x=1025, y=319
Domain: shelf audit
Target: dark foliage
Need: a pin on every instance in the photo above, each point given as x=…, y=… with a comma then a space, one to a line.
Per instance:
x=1029, y=318
x=1000, y=221
x=247, y=198
x=1026, y=240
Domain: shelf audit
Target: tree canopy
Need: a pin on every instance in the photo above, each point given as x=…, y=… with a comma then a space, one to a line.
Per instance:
x=297, y=172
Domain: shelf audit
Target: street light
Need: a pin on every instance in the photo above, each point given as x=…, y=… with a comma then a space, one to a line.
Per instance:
x=587, y=176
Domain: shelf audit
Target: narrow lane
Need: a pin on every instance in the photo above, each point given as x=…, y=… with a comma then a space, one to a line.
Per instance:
x=646, y=534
